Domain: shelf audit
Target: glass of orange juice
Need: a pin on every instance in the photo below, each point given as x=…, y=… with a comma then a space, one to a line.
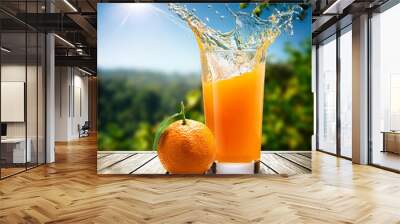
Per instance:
x=233, y=90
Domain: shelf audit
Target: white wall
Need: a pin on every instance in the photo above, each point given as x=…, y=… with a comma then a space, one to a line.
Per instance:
x=80, y=110
x=62, y=82
x=71, y=94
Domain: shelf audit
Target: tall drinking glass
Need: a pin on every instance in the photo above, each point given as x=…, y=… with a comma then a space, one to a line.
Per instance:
x=233, y=90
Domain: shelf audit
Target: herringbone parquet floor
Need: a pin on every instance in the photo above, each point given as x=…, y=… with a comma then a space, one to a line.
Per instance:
x=70, y=191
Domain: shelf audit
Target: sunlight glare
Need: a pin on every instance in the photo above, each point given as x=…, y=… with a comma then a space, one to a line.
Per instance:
x=137, y=7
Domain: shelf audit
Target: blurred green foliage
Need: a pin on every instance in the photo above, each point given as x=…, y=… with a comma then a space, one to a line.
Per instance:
x=132, y=103
x=288, y=102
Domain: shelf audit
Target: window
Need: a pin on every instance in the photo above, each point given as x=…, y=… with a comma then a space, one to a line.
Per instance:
x=327, y=95
x=22, y=87
x=346, y=92
x=385, y=89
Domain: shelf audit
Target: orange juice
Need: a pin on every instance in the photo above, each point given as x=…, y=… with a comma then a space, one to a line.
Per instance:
x=233, y=109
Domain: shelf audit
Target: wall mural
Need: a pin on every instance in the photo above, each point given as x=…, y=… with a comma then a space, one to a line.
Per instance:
x=204, y=88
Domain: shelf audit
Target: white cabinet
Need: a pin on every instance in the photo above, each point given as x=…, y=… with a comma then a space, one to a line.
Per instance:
x=16, y=147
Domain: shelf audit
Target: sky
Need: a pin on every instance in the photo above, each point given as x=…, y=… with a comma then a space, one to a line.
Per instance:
x=147, y=36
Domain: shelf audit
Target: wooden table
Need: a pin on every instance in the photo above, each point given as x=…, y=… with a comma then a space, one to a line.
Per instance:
x=147, y=162
x=391, y=141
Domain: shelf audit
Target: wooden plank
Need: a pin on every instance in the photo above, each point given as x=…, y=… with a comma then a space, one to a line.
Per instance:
x=148, y=163
x=125, y=152
x=152, y=166
x=101, y=155
x=128, y=165
x=110, y=160
x=298, y=159
x=282, y=166
x=266, y=170
x=306, y=154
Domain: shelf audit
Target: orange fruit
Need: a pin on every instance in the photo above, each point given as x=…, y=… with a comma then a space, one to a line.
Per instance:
x=186, y=147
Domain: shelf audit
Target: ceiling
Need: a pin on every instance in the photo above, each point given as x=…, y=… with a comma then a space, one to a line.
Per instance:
x=332, y=15
x=73, y=21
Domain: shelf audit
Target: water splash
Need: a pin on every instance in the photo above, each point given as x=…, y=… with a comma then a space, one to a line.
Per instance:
x=250, y=31
x=232, y=53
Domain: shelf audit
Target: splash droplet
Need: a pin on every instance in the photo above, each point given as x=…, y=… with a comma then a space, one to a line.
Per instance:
x=250, y=32
x=216, y=12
